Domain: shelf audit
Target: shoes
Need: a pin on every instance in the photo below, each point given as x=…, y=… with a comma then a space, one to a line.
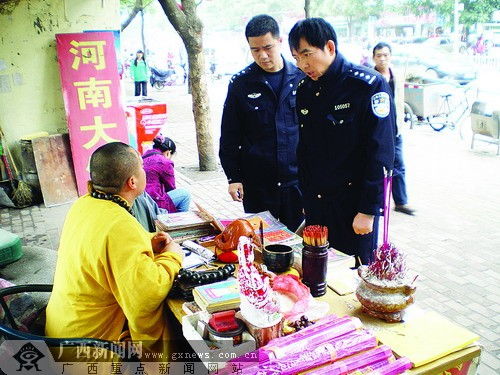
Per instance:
x=404, y=208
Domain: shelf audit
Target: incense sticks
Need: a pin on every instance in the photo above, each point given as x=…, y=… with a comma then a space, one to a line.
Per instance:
x=387, y=204
x=261, y=228
x=315, y=235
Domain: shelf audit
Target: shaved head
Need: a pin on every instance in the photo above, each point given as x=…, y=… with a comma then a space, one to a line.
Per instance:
x=111, y=165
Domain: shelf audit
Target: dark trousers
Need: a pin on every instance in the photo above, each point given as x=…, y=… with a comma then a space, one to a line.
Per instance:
x=284, y=203
x=398, y=179
x=141, y=85
x=338, y=214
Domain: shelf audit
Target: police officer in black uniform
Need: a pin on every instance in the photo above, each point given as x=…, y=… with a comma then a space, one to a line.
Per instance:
x=347, y=129
x=259, y=132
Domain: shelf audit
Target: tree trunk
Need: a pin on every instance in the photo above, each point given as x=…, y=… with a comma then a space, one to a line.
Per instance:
x=187, y=24
x=132, y=15
x=142, y=33
x=349, y=27
x=201, y=110
x=307, y=8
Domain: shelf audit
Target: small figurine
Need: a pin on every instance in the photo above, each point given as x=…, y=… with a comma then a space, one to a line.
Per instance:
x=226, y=243
x=259, y=307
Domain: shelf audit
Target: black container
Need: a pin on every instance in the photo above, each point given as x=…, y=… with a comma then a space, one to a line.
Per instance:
x=314, y=268
x=278, y=258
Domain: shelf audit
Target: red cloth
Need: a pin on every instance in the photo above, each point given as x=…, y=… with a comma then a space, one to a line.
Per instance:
x=160, y=178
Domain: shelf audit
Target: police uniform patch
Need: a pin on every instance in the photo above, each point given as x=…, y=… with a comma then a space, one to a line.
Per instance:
x=254, y=95
x=381, y=104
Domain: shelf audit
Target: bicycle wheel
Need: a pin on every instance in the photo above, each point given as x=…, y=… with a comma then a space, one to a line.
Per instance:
x=410, y=116
x=438, y=123
x=159, y=85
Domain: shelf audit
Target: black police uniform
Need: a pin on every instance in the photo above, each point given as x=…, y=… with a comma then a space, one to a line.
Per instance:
x=347, y=129
x=258, y=143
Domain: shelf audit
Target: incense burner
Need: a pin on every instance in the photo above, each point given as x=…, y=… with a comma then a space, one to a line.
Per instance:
x=278, y=258
x=384, y=299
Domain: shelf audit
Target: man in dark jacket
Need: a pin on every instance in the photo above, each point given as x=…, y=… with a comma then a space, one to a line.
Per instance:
x=347, y=127
x=259, y=132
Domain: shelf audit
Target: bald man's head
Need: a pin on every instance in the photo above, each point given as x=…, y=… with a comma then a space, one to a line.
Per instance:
x=111, y=165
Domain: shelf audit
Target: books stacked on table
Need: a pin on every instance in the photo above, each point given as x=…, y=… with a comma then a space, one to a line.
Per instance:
x=187, y=225
x=220, y=296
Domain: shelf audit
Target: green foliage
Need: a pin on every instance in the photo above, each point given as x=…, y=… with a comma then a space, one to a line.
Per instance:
x=220, y=15
x=355, y=10
x=478, y=11
x=474, y=10
x=126, y=6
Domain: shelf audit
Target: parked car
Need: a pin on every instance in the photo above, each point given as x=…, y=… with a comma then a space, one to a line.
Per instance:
x=434, y=65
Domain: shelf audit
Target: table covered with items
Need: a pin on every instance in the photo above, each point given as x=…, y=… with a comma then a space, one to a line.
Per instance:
x=267, y=301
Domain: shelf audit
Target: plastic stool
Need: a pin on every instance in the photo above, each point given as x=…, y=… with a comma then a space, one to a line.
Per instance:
x=10, y=247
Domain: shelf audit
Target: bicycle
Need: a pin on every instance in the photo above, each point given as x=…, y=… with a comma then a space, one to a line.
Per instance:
x=447, y=115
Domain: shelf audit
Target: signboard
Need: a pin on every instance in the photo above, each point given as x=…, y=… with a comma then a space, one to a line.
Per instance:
x=91, y=93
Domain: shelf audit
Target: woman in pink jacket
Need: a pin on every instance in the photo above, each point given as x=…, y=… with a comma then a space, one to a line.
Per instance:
x=160, y=176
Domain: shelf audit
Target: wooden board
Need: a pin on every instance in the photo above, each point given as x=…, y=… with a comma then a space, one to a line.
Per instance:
x=55, y=169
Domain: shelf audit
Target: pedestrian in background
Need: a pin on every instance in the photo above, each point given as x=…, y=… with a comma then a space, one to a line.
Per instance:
x=346, y=116
x=160, y=176
x=382, y=54
x=259, y=131
x=140, y=72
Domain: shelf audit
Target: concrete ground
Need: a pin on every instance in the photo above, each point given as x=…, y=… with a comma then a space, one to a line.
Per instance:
x=452, y=242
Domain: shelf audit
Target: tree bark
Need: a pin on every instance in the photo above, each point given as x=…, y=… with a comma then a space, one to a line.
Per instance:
x=133, y=13
x=189, y=27
x=142, y=32
x=307, y=8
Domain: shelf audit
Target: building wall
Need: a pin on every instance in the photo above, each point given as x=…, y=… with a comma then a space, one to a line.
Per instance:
x=30, y=88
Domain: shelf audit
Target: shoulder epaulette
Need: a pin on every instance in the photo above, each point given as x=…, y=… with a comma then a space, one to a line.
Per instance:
x=240, y=73
x=368, y=77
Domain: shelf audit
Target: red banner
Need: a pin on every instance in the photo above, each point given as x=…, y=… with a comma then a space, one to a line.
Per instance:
x=91, y=92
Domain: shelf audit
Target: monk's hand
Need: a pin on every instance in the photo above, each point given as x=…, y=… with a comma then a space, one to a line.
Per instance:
x=174, y=247
x=362, y=223
x=235, y=190
x=160, y=241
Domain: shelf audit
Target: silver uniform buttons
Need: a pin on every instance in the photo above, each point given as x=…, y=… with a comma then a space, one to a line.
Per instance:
x=319, y=196
x=341, y=121
x=256, y=107
x=279, y=183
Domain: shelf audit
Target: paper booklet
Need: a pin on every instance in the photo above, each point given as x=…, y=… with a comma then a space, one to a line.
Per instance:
x=220, y=296
x=182, y=220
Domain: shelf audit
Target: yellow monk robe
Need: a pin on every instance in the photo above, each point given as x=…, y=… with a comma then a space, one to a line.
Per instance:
x=106, y=274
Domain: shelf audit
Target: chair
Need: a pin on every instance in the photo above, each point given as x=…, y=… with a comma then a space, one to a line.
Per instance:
x=12, y=331
x=485, y=124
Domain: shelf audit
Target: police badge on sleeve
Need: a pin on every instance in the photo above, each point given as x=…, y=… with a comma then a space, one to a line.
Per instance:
x=381, y=105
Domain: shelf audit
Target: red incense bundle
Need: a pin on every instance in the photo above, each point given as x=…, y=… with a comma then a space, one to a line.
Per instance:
x=315, y=235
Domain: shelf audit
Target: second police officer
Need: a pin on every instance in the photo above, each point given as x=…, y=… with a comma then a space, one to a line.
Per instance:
x=259, y=132
x=347, y=128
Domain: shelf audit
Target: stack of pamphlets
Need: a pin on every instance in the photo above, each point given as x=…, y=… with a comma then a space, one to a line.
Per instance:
x=220, y=296
x=185, y=225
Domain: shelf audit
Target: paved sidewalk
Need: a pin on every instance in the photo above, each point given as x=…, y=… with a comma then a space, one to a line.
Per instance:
x=452, y=243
